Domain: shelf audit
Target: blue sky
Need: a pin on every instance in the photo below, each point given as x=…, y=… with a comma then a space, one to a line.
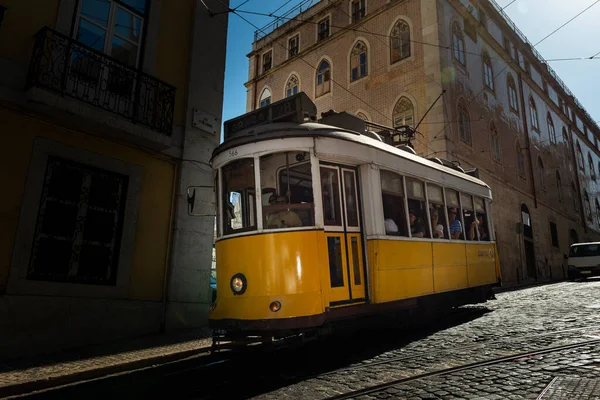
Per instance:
x=535, y=18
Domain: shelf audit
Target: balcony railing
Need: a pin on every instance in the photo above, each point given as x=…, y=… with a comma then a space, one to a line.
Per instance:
x=63, y=65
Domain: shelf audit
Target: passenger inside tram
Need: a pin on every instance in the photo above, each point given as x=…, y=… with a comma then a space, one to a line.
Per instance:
x=455, y=225
x=472, y=223
x=394, y=214
x=417, y=229
x=436, y=225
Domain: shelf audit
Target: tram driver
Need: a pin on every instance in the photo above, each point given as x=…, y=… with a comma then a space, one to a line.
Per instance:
x=282, y=219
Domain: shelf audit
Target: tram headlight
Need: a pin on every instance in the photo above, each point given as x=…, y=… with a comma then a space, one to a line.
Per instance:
x=238, y=284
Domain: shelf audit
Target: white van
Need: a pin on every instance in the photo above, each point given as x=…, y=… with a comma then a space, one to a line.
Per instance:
x=584, y=260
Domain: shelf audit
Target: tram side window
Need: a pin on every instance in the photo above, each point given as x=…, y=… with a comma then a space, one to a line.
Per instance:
x=286, y=181
x=239, y=206
x=471, y=228
x=484, y=233
x=454, y=214
x=417, y=214
x=437, y=212
x=392, y=196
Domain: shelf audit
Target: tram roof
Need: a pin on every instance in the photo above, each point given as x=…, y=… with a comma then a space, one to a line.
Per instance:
x=239, y=132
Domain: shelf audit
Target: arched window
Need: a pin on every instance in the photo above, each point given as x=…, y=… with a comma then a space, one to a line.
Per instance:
x=580, y=157
x=323, y=78
x=586, y=204
x=458, y=41
x=495, y=142
x=551, y=130
x=404, y=112
x=363, y=116
x=592, y=169
x=488, y=72
x=358, y=61
x=565, y=138
x=520, y=161
x=558, y=186
x=399, y=42
x=265, y=98
x=534, y=115
x=541, y=173
x=512, y=94
x=464, y=125
x=292, y=86
x=574, y=195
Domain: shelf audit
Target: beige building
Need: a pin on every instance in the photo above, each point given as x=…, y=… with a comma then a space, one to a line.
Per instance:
x=503, y=110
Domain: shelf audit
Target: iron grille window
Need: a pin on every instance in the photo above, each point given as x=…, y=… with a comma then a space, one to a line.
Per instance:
x=79, y=224
x=323, y=29
x=358, y=10
x=293, y=46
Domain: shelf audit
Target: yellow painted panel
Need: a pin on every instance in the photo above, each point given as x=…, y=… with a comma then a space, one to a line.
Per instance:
x=450, y=271
x=285, y=266
x=23, y=19
x=403, y=269
x=173, y=48
x=481, y=264
x=154, y=208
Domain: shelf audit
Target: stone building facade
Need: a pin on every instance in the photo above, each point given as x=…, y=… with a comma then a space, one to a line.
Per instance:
x=478, y=94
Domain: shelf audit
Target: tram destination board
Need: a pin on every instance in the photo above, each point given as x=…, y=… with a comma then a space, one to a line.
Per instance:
x=298, y=108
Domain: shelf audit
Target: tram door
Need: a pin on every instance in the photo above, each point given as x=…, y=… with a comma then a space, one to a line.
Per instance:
x=341, y=214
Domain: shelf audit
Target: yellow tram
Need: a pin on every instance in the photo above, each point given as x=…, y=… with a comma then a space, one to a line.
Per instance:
x=323, y=221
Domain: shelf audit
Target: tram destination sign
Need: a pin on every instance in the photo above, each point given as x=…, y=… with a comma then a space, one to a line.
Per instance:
x=297, y=108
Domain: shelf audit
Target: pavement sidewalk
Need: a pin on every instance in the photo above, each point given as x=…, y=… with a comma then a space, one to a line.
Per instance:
x=18, y=377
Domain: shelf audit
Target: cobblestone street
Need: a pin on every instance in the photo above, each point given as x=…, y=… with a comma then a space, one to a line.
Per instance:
x=536, y=343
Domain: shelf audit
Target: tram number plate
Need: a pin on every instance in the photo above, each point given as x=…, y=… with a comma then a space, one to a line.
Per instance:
x=233, y=153
x=586, y=272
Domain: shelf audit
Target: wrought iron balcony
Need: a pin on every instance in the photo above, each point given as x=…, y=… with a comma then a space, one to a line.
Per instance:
x=61, y=64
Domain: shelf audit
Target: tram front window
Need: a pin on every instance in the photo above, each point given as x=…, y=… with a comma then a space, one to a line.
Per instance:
x=239, y=206
x=286, y=181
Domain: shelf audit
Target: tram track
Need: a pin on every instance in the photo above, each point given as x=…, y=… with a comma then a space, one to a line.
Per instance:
x=446, y=371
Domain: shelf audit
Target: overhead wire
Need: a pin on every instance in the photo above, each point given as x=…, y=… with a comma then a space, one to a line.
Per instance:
x=565, y=24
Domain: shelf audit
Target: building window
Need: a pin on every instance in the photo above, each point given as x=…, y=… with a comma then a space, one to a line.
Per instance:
x=458, y=41
x=495, y=142
x=358, y=61
x=574, y=194
x=558, y=186
x=554, y=235
x=291, y=88
x=597, y=212
x=323, y=29
x=265, y=98
x=520, y=161
x=293, y=46
x=512, y=94
x=400, y=42
x=79, y=225
x=404, y=112
x=323, y=78
x=580, y=158
x=358, y=10
x=541, y=173
x=592, y=169
x=534, y=115
x=464, y=125
x=588, y=208
x=565, y=138
x=113, y=27
x=267, y=61
x=488, y=72
x=551, y=130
